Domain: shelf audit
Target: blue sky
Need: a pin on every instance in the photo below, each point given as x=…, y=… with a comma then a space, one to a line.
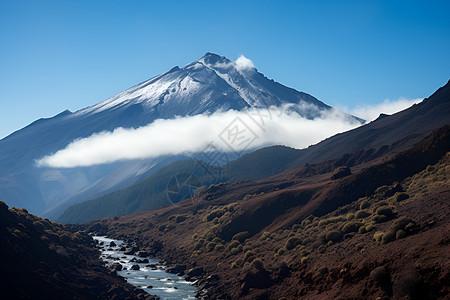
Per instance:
x=57, y=55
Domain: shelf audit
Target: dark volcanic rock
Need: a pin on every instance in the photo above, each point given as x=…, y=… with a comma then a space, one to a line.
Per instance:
x=116, y=267
x=179, y=269
x=152, y=266
x=135, y=267
x=195, y=272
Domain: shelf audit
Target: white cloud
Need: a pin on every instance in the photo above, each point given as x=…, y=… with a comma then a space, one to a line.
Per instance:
x=194, y=133
x=371, y=112
x=243, y=63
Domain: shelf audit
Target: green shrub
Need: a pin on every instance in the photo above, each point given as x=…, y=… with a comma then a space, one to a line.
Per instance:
x=39, y=225
x=241, y=236
x=65, y=238
x=378, y=236
x=410, y=227
x=292, y=242
x=281, y=251
x=331, y=226
x=365, y=204
x=219, y=247
x=214, y=214
x=199, y=244
x=360, y=214
x=384, y=211
x=380, y=218
x=265, y=235
x=257, y=264
x=195, y=236
x=249, y=256
x=162, y=227
x=308, y=240
x=304, y=260
x=217, y=240
x=234, y=265
x=333, y=236
x=306, y=222
x=350, y=216
x=400, y=234
x=359, y=246
x=402, y=223
x=388, y=237
x=401, y=197
x=216, y=229
x=370, y=227
x=378, y=205
x=234, y=251
x=233, y=244
x=362, y=229
x=327, y=221
x=351, y=227
x=210, y=246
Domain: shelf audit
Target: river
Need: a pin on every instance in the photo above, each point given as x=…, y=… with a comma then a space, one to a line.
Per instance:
x=151, y=276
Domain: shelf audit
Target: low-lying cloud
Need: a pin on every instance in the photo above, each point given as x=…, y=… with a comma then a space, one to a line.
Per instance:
x=227, y=131
x=371, y=112
x=243, y=63
x=230, y=131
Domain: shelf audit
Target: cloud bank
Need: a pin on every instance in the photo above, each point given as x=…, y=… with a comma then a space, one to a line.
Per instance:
x=371, y=112
x=230, y=131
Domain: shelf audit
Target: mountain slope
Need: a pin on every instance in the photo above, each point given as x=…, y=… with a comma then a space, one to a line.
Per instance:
x=151, y=193
x=401, y=130
x=379, y=231
x=212, y=83
x=43, y=260
x=383, y=136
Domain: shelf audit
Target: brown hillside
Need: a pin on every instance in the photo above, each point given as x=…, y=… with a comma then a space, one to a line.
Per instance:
x=380, y=231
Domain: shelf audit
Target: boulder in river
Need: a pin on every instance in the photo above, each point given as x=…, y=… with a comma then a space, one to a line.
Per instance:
x=135, y=267
x=178, y=269
x=152, y=266
x=112, y=244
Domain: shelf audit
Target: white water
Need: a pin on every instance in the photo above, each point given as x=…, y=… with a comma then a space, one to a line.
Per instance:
x=163, y=284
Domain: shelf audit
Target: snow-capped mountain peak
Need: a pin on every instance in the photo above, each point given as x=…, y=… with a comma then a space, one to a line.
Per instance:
x=208, y=84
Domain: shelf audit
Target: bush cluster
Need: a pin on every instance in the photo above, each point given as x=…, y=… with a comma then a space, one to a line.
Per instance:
x=399, y=229
x=241, y=236
x=292, y=242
